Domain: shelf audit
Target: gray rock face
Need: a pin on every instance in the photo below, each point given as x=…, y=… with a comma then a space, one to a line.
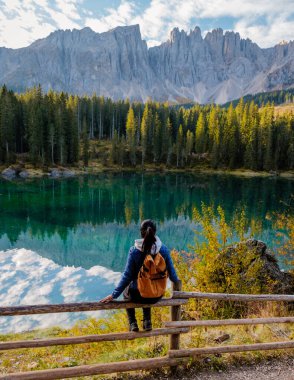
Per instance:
x=118, y=64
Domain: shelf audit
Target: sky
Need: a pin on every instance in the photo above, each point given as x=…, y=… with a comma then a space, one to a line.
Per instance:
x=266, y=22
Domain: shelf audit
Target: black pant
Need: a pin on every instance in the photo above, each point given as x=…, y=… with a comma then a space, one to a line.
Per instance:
x=134, y=296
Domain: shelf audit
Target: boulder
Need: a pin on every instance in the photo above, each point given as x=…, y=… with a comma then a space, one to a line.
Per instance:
x=9, y=173
x=55, y=173
x=282, y=282
x=68, y=173
x=24, y=174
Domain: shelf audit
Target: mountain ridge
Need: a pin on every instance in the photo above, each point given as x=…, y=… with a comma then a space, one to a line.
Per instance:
x=118, y=63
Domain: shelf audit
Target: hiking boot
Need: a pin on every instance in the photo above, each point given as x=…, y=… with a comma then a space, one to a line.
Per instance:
x=134, y=327
x=147, y=325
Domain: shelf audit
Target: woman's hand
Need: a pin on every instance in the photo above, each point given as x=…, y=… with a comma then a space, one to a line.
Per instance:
x=107, y=299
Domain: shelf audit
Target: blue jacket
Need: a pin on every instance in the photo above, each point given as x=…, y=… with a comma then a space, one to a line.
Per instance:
x=133, y=266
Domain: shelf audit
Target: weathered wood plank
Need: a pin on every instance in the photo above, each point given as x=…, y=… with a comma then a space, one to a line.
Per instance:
x=227, y=322
x=227, y=349
x=82, y=306
x=90, y=338
x=94, y=369
x=175, y=316
x=234, y=297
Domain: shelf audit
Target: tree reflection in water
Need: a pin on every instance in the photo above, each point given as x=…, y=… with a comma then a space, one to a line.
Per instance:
x=92, y=220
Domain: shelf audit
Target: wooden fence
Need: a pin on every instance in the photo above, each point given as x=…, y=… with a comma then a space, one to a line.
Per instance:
x=174, y=329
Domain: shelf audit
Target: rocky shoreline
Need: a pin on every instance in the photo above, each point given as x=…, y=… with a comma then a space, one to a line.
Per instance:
x=14, y=172
x=22, y=172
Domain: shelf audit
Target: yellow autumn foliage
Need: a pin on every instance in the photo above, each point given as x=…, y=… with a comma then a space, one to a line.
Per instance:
x=221, y=263
x=285, y=224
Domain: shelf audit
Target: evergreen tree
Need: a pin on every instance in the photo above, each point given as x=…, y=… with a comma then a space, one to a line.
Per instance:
x=101, y=116
x=72, y=130
x=61, y=122
x=200, y=134
x=169, y=142
x=290, y=140
x=189, y=144
x=7, y=125
x=214, y=131
x=35, y=125
x=179, y=146
x=131, y=135
x=157, y=139
x=252, y=148
x=145, y=132
x=52, y=141
x=269, y=137
x=86, y=145
x=213, y=126
x=230, y=143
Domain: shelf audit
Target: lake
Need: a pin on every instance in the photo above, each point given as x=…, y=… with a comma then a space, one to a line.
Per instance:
x=66, y=240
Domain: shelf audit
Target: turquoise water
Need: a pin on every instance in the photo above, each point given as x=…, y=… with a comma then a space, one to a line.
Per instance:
x=53, y=232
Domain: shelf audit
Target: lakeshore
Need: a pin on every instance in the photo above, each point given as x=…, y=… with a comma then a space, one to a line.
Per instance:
x=97, y=168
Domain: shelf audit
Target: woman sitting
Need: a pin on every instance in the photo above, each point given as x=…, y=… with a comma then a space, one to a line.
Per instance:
x=145, y=275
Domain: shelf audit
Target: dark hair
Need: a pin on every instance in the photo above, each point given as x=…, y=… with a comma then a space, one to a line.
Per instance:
x=148, y=230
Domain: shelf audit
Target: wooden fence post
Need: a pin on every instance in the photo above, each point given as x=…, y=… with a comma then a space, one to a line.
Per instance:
x=175, y=316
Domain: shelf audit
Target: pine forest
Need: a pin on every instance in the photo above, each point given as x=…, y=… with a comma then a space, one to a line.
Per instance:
x=57, y=129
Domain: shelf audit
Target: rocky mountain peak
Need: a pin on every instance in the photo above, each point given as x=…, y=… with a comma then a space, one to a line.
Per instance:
x=219, y=67
x=215, y=35
x=176, y=35
x=127, y=30
x=196, y=34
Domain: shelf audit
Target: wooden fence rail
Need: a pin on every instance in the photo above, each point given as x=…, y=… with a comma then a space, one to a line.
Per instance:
x=90, y=338
x=174, y=328
x=234, y=297
x=229, y=322
x=95, y=369
x=82, y=306
x=225, y=349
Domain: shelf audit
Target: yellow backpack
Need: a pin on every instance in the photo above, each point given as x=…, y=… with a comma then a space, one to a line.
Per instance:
x=152, y=277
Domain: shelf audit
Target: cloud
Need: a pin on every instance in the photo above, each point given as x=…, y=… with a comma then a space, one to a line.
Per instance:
x=273, y=32
x=277, y=18
x=68, y=8
x=264, y=21
x=27, y=278
x=123, y=15
x=22, y=22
